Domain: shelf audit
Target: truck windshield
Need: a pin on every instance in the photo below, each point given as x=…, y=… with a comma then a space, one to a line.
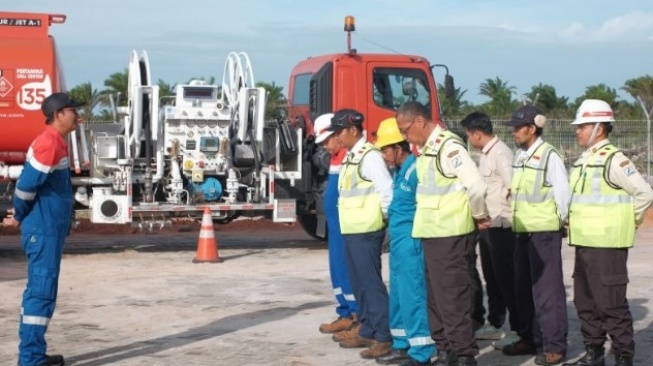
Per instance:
x=394, y=86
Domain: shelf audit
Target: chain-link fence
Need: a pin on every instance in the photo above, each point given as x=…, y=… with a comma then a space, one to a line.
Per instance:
x=628, y=135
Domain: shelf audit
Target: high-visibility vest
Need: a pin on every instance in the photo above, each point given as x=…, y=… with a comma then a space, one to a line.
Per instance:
x=442, y=204
x=601, y=214
x=533, y=206
x=359, y=206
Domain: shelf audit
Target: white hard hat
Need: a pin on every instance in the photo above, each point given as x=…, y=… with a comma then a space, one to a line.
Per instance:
x=593, y=111
x=321, y=127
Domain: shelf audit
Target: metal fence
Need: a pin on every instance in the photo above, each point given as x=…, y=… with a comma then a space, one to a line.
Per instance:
x=628, y=135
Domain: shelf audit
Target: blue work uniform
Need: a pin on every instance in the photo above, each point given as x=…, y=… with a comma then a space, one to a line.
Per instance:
x=342, y=289
x=409, y=323
x=43, y=203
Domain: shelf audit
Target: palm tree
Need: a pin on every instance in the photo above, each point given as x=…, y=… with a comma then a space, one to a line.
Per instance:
x=116, y=84
x=500, y=94
x=92, y=98
x=641, y=89
x=276, y=100
x=451, y=106
x=600, y=91
x=547, y=99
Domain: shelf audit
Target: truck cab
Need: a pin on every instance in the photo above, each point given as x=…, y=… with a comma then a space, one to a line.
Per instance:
x=374, y=84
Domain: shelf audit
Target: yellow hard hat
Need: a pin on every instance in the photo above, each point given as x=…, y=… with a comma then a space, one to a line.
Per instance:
x=388, y=133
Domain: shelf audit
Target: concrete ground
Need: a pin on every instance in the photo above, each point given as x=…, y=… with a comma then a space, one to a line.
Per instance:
x=138, y=300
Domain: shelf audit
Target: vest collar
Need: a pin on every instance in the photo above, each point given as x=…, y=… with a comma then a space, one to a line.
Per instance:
x=431, y=141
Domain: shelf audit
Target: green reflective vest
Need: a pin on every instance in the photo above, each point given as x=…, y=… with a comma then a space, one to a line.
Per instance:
x=601, y=214
x=442, y=204
x=359, y=206
x=533, y=206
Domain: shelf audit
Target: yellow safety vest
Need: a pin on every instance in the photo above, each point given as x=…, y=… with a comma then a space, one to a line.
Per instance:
x=442, y=204
x=359, y=206
x=601, y=214
x=533, y=206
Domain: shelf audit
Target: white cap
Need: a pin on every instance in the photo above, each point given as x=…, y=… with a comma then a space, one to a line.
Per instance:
x=593, y=111
x=321, y=127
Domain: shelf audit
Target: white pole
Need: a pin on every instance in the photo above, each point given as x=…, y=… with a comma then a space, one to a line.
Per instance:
x=648, y=138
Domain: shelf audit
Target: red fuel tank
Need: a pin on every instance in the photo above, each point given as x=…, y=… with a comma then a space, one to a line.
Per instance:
x=29, y=72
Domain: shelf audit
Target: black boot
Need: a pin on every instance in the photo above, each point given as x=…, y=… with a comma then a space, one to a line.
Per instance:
x=624, y=360
x=594, y=356
x=442, y=358
x=397, y=356
x=465, y=361
x=54, y=360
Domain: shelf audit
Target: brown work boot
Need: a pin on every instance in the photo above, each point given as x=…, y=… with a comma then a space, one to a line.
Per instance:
x=377, y=349
x=357, y=342
x=518, y=349
x=338, y=325
x=347, y=334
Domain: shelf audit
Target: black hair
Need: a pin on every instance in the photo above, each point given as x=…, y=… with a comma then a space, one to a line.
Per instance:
x=404, y=145
x=477, y=121
x=412, y=110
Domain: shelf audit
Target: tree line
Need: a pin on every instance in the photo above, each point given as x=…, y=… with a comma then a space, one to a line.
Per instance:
x=503, y=98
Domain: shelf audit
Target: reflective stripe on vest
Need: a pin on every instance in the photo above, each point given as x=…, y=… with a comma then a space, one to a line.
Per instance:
x=442, y=204
x=533, y=205
x=601, y=215
x=359, y=206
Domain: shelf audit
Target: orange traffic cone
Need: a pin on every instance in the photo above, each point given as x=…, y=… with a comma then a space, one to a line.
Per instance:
x=207, y=246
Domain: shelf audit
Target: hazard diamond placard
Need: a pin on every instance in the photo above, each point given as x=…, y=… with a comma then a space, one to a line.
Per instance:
x=5, y=87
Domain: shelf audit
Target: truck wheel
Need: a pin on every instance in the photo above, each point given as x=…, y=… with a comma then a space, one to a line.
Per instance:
x=308, y=222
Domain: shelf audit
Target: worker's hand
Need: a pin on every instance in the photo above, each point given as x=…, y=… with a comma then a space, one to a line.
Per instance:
x=483, y=224
x=9, y=220
x=565, y=229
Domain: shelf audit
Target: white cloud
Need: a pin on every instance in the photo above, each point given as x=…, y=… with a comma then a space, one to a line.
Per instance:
x=632, y=26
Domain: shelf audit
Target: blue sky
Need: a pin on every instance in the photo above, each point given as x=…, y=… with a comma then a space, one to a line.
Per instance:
x=569, y=44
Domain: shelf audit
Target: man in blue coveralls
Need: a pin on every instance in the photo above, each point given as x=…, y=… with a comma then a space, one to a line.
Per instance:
x=411, y=338
x=347, y=309
x=43, y=203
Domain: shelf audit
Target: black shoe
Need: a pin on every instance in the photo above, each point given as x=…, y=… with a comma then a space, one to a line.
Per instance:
x=549, y=358
x=395, y=357
x=464, y=361
x=442, y=358
x=413, y=362
x=53, y=360
x=624, y=360
x=594, y=356
x=519, y=349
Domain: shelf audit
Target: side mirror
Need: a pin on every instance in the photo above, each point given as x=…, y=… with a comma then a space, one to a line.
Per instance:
x=449, y=88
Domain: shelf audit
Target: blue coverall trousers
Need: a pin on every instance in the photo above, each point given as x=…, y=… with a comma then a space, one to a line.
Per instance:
x=39, y=299
x=409, y=324
x=347, y=305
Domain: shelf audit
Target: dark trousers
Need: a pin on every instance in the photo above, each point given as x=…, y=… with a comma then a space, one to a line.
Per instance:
x=497, y=247
x=363, y=256
x=449, y=293
x=540, y=291
x=600, y=281
x=477, y=310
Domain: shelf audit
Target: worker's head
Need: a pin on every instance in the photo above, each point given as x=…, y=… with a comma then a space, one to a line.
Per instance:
x=415, y=122
x=394, y=147
x=478, y=128
x=61, y=112
x=323, y=135
x=593, y=122
x=527, y=123
x=347, y=127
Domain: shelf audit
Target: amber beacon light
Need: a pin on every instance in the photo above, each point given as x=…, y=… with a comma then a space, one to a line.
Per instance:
x=350, y=23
